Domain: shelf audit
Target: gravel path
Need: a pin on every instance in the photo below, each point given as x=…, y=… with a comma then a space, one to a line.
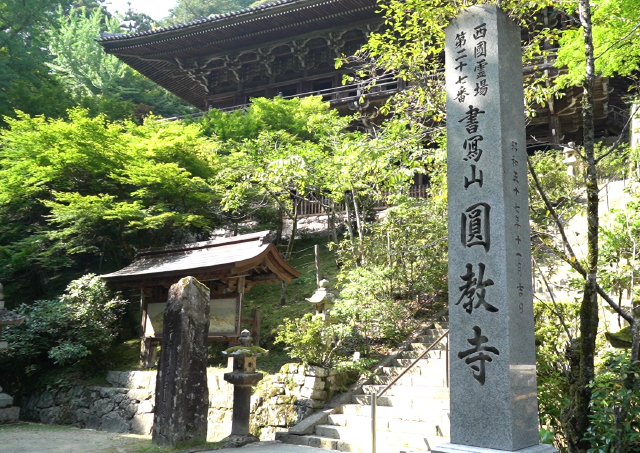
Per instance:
x=33, y=438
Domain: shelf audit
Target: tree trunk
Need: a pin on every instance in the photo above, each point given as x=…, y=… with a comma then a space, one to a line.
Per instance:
x=635, y=336
x=294, y=228
x=278, y=238
x=358, y=214
x=576, y=416
x=348, y=222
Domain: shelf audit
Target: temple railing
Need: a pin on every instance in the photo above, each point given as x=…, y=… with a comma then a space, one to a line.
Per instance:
x=318, y=205
x=618, y=117
x=337, y=95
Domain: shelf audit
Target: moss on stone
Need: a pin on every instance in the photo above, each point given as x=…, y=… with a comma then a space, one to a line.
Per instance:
x=246, y=351
x=621, y=339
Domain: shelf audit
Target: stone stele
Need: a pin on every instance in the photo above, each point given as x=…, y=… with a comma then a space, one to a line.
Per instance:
x=493, y=371
x=181, y=387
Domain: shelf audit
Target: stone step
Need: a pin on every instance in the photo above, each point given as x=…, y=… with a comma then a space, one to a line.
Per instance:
x=415, y=353
x=361, y=446
x=400, y=440
x=435, y=332
x=431, y=380
x=437, y=412
x=427, y=340
x=431, y=363
x=315, y=441
x=432, y=371
x=363, y=422
x=407, y=402
x=405, y=390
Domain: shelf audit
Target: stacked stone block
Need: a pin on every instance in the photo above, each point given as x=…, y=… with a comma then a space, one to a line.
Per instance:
x=279, y=402
x=113, y=409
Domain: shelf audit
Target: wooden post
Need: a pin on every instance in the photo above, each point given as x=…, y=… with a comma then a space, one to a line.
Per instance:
x=145, y=343
x=256, y=325
x=316, y=251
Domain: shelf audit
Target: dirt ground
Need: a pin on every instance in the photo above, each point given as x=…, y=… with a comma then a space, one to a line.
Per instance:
x=34, y=438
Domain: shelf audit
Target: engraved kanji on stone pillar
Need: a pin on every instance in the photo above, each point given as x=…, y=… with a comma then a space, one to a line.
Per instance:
x=492, y=351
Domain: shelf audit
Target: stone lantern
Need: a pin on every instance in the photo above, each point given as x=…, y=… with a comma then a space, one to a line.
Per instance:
x=322, y=299
x=8, y=414
x=570, y=158
x=243, y=377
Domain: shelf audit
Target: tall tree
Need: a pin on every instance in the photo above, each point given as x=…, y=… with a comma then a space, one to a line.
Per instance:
x=189, y=10
x=101, y=82
x=78, y=60
x=25, y=82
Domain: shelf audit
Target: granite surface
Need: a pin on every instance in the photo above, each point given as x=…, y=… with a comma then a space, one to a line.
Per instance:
x=493, y=374
x=453, y=448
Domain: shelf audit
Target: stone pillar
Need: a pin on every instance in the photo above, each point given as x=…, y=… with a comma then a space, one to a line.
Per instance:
x=493, y=372
x=182, y=395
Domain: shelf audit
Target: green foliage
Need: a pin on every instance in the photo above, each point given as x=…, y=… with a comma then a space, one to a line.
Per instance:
x=380, y=297
x=87, y=189
x=363, y=305
x=74, y=329
x=25, y=82
x=615, y=405
x=616, y=41
x=551, y=345
x=411, y=45
x=78, y=60
x=98, y=81
x=312, y=340
x=306, y=119
x=398, y=249
x=357, y=367
x=562, y=190
x=619, y=250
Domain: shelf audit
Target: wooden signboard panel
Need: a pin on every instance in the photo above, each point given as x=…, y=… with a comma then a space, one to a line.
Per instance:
x=224, y=319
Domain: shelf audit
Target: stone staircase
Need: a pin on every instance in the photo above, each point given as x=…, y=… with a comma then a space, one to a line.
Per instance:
x=412, y=415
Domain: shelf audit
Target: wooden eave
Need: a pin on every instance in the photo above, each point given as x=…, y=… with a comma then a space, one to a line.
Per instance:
x=169, y=56
x=251, y=256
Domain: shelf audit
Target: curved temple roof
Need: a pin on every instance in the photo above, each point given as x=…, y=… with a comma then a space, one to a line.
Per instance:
x=250, y=255
x=176, y=57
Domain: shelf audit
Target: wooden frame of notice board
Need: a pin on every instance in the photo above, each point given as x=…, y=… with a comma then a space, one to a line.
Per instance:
x=225, y=322
x=225, y=317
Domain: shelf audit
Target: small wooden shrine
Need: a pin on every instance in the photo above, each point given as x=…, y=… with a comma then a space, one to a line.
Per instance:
x=230, y=267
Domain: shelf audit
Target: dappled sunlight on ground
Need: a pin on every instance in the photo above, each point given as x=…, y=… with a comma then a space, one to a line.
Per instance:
x=34, y=438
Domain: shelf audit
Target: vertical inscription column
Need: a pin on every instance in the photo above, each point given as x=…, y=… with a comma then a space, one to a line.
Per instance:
x=493, y=380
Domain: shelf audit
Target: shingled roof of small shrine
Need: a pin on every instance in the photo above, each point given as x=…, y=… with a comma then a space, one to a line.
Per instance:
x=166, y=55
x=250, y=254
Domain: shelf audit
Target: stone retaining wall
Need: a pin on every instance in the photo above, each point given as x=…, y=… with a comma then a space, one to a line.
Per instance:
x=112, y=409
x=279, y=401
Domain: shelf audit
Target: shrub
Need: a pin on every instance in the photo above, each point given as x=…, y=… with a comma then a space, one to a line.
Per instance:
x=615, y=405
x=365, y=304
x=312, y=341
x=552, y=368
x=74, y=329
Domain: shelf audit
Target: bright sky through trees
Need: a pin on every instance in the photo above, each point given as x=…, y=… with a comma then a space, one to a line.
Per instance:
x=157, y=9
